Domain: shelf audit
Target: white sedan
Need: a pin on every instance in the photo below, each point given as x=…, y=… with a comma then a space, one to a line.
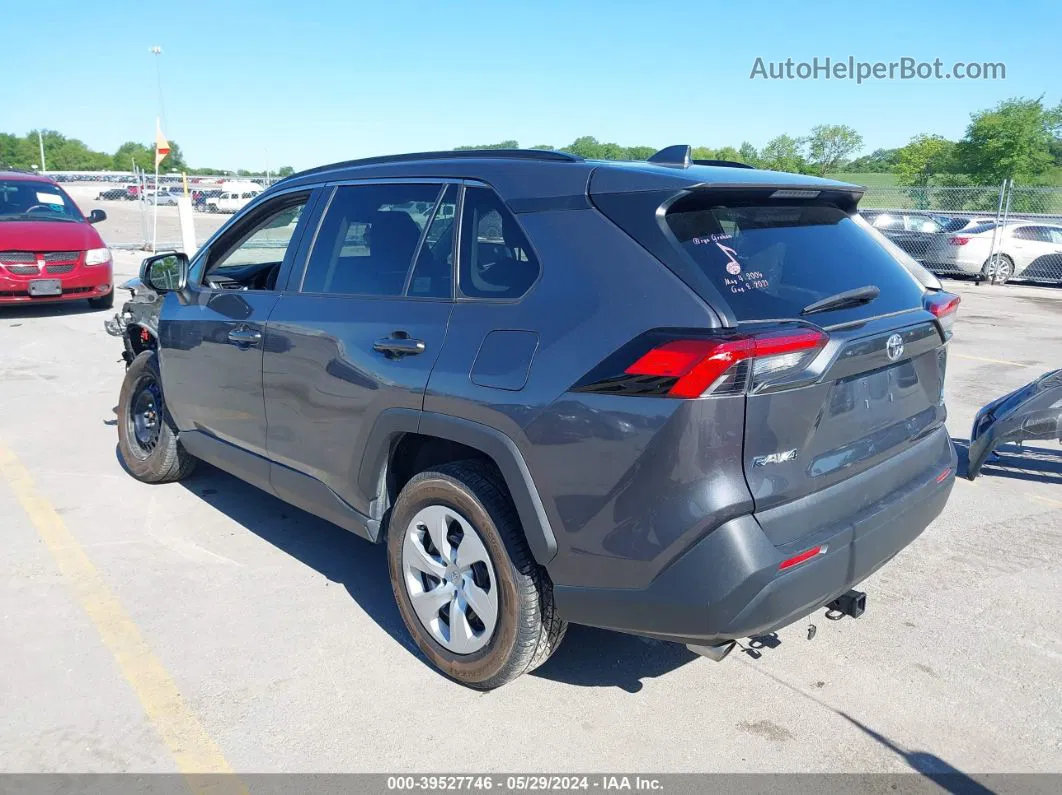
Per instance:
x=1027, y=250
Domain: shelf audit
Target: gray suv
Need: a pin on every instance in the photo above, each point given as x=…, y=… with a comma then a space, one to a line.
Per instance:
x=686, y=400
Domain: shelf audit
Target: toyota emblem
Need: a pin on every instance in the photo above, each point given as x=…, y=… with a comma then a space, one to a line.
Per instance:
x=894, y=347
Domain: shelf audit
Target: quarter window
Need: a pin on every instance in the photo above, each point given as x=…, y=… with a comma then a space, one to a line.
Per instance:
x=496, y=260
x=367, y=239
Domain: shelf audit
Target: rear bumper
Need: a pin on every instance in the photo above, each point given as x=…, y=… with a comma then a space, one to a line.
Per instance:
x=728, y=585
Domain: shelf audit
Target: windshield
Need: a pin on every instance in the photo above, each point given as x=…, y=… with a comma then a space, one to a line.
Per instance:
x=32, y=200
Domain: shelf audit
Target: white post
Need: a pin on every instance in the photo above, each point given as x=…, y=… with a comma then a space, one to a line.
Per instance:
x=187, y=219
x=155, y=219
x=40, y=141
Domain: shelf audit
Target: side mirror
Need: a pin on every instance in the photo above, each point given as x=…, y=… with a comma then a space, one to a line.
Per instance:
x=96, y=216
x=165, y=273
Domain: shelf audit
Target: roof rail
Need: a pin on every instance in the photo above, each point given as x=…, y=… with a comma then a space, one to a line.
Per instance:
x=724, y=163
x=677, y=156
x=463, y=154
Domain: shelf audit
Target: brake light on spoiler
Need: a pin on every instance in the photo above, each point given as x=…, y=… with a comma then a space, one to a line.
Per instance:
x=666, y=364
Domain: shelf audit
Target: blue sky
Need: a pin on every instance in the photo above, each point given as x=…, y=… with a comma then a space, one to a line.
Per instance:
x=303, y=82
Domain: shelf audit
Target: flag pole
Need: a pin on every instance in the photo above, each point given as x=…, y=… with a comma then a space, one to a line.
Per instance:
x=155, y=219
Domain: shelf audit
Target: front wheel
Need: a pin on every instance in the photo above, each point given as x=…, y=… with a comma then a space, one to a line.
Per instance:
x=147, y=437
x=471, y=595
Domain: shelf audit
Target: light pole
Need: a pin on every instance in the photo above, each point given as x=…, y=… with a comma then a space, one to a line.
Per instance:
x=156, y=51
x=40, y=142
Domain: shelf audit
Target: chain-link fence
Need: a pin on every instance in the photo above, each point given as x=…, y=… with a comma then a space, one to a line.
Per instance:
x=998, y=234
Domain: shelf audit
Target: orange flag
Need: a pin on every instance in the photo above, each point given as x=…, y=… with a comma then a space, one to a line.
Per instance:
x=162, y=146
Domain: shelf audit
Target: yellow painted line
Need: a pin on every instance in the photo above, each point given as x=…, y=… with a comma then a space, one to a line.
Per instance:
x=986, y=359
x=1048, y=500
x=193, y=749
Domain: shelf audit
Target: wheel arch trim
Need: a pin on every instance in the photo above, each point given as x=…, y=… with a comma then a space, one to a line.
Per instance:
x=391, y=424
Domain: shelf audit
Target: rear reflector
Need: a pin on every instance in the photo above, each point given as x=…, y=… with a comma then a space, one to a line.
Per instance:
x=803, y=557
x=704, y=366
x=943, y=475
x=958, y=241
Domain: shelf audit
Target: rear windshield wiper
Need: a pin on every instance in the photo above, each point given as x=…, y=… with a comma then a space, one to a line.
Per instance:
x=860, y=295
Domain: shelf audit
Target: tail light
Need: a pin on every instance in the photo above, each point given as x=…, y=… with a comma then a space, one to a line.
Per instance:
x=945, y=308
x=664, y=364
x=957, y=240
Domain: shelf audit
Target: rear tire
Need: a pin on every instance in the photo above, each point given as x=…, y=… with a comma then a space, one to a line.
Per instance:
x=103, y=302
x=520, y=628
x=147, y=436
x=1004, y=271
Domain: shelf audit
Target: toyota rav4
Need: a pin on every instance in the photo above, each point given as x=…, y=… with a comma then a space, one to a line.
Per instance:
x=686, y=400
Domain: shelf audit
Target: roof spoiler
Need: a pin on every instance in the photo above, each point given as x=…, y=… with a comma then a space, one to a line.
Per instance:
x=680, y=156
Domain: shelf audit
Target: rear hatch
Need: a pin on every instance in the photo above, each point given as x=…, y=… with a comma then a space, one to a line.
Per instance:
x=837, y=346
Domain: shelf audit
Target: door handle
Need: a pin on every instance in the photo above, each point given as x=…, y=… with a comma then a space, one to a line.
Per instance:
x=399, y=344
x=245, y=336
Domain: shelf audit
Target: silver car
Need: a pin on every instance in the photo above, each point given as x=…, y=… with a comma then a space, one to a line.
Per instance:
x=164, y=196
x=1027, y=250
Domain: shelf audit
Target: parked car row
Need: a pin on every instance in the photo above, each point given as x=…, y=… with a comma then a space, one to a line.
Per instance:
x=982, y=247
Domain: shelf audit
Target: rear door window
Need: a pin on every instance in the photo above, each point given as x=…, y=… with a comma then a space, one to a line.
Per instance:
x=770, y=260
x=367, y=240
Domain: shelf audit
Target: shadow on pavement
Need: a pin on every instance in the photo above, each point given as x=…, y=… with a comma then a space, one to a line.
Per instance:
x=591, y=657
x=342, y=557
x=929, y=765
x=588, y=657
x=11, y=314
x=932, y=767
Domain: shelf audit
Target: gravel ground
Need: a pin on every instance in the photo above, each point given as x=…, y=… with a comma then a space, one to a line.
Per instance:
x=206, y=625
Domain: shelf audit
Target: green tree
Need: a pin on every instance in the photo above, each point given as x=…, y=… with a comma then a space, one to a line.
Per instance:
x=747, y=154
x=1012, y=140
x=829, y=145
x=728, y=153
x=879, y=161
x=784, y=153
x=174, y=160
x=285, y=171
x=585, y=146
x=510, y=144
x=613, y=151
x=640, y=152
x=924, y=157
x=131, y=153
x=702, y=153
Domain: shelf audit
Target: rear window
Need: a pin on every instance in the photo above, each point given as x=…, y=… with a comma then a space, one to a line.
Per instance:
x=769, y=261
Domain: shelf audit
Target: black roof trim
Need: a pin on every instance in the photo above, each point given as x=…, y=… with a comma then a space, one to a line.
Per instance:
x=463, y=154
x=724, y=163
